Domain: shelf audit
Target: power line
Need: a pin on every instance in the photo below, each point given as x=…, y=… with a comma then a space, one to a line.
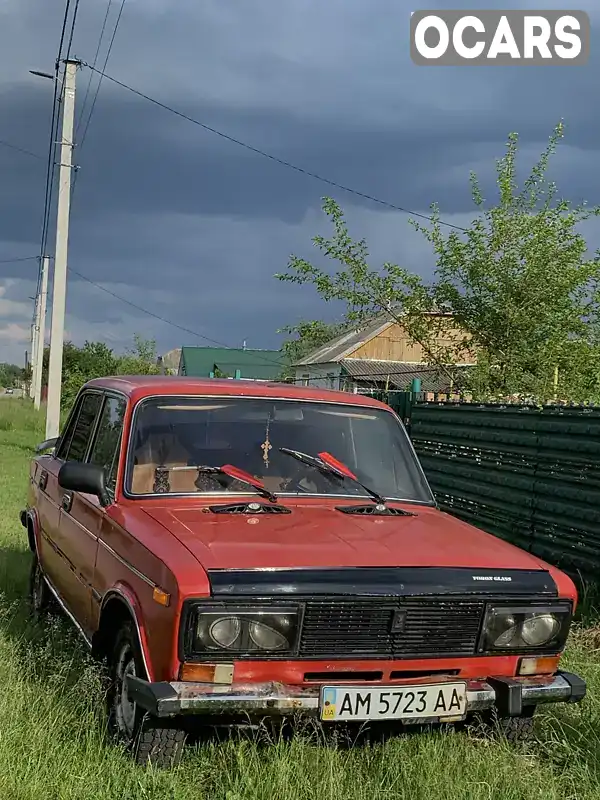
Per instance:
x=53, y=143
x=53, y=140
x=21, y=149
x=101, y=74
x=87, y=91
x=73, y=21
x=164, y=319
x=371, y=377
x=270, y=156
x=17, y=260
x=51, y=160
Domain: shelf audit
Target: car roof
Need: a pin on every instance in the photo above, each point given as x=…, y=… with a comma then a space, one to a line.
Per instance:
x=138, y=386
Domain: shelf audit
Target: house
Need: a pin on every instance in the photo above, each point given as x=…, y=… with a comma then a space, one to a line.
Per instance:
x=229, y=362
x=378, y=356
x=170, y=361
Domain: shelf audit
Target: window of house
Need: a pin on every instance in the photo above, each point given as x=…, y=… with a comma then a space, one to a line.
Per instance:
x=306, y=379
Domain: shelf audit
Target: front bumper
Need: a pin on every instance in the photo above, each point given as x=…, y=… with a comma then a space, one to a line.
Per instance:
x=507, y=695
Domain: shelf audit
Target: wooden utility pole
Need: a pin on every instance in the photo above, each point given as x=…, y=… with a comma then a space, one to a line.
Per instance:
x=59, y=283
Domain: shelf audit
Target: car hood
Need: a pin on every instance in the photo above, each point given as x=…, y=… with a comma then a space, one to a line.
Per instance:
x=320, y=536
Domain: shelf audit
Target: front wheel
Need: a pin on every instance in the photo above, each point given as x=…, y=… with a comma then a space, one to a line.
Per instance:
x=512, y=729
x=146, y=739
x=517, y=729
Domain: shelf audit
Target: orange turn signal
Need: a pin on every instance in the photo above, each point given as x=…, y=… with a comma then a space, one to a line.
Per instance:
x=544, y=665
x=207, y=673
x=161, y=597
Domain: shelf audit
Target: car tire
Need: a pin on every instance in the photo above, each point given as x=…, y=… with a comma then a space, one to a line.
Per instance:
x=148, y=741
x=40, y=596
x=511, y=729
x=516, y=729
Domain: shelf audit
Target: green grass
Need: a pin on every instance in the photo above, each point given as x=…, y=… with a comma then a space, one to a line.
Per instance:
x=52, y=742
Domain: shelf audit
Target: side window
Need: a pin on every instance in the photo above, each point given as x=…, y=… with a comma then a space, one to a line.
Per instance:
x=75, y=444
x=105, y=450
x=67, y=433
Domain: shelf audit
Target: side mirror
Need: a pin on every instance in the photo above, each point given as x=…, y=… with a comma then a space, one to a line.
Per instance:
x=48, y=444
x=76, y=476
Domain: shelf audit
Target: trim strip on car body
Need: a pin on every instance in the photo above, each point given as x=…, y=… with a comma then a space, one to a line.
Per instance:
x=63, y=606
x=107, y=596
x=380, y=582
x=127, y=564
x=98, y=597
x=92, y=535
x=110, y=593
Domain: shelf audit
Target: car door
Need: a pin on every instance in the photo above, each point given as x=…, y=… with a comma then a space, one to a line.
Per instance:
x=81, y=515
x=73, y=541
x=72, y=443
x=48, y=513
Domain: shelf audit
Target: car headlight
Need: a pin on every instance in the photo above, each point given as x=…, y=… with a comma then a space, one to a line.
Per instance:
x=525, y=627
x=243, y=631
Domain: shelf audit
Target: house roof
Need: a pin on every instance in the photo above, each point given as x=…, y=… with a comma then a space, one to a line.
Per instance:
x=172, y=358
x=199, y=362
x=346, y=343
x=397, y=373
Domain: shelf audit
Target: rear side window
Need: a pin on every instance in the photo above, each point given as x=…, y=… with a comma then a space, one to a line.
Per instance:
x=105, y=450
x=81, y=428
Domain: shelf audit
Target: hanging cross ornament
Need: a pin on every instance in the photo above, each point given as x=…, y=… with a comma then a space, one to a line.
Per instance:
x=266, y=446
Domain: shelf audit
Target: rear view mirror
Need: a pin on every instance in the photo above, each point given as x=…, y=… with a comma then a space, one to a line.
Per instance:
x=48, y=444
x=76, y=476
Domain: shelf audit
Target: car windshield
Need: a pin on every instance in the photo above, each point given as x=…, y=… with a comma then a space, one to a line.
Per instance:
x=171, y=436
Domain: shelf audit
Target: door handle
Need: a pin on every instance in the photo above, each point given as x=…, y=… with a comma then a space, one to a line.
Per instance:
x=43, y=480
x=67, y=501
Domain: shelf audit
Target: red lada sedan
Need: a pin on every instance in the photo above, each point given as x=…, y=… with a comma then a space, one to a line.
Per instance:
x=249, y=550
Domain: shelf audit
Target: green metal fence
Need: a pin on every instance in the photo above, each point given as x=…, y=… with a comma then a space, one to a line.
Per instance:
x=402, y=403
x=531, y=476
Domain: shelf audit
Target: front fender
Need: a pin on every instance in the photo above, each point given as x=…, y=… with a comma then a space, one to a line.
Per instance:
x=126, y=594
x=30, y=521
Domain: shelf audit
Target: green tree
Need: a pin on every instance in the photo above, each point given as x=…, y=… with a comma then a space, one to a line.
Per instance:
x=518, y=283
x=97, y=360
x=11, y=375
x=141, y=359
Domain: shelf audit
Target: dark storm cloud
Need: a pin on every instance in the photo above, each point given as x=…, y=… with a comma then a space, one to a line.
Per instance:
x=139, y=158
x=178, y=220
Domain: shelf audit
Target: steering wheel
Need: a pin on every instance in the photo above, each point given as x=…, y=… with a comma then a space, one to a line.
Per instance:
x=308, y=480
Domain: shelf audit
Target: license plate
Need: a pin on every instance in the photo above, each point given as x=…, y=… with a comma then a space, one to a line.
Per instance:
x=358, y=703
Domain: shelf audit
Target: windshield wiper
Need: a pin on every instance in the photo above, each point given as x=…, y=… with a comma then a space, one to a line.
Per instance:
x=243, y=477
x=233, y=472
x=327, y=464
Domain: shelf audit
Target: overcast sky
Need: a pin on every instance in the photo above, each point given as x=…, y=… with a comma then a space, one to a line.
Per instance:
x=192, y=227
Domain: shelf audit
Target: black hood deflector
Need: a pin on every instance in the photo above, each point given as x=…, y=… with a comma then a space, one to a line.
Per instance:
x=381, y=582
